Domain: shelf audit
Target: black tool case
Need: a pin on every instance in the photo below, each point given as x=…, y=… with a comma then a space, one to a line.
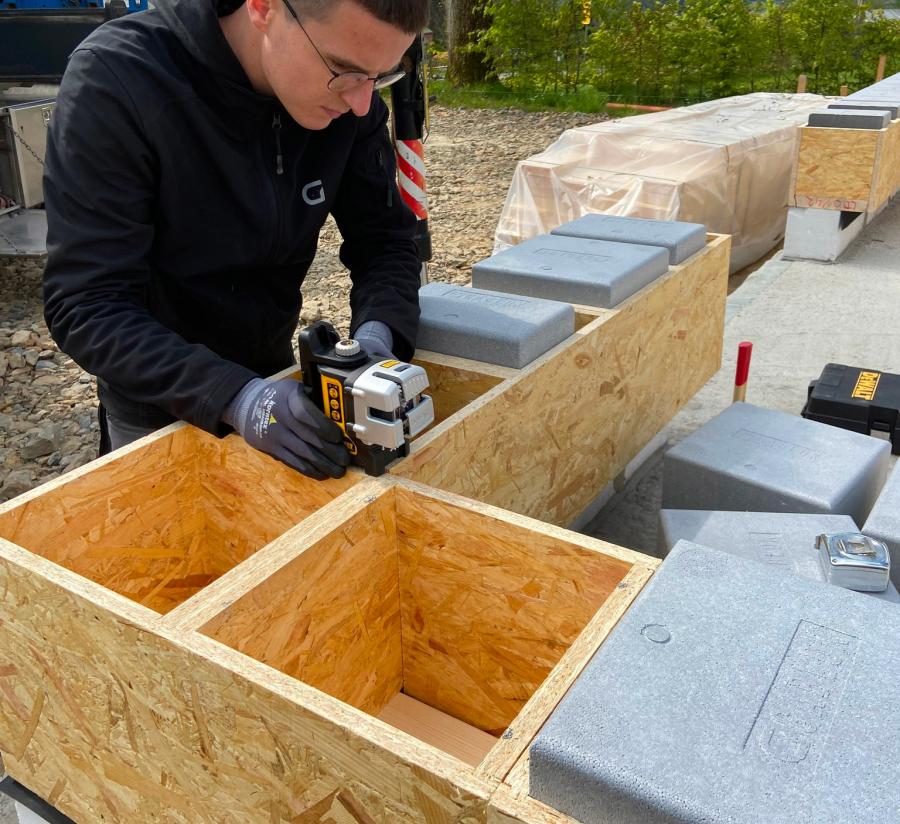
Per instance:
x=862, y=400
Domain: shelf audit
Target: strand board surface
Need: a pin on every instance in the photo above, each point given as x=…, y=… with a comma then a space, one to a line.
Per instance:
x=855, y=170
x=257, y=697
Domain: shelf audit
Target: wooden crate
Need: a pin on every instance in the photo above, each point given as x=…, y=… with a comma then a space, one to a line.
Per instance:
x=386, y=656
x=855, y=170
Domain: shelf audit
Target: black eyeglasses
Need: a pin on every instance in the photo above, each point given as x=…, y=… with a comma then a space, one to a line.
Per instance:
x=345, y=81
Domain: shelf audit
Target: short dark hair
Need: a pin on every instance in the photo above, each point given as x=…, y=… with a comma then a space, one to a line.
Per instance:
x=410, y=16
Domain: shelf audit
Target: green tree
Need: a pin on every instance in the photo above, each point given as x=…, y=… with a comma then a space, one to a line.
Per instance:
x=824, y=34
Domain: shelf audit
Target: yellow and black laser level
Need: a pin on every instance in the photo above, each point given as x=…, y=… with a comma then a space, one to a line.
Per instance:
x=378, y=403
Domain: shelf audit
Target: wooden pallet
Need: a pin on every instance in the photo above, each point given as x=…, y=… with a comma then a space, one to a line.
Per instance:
x=191, y=632
x=853, y=170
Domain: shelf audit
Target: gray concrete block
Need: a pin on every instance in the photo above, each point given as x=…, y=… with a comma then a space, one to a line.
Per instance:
x=576, y=270
x=784, y=541
x=849, y=119
x=890, y=108
x=681, y=239
x=759, y=460
x=820, y=234
x=884, y=520
x=734, y=694
x=493, y=327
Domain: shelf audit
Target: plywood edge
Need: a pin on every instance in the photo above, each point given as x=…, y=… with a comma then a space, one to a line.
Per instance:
x=426, y=356
x=343, y=726
x=886, y=177
x=506, y=808
x=223, y=592
x=518, y=737
x=56, y=483
x=502, y=517
x=65, y=581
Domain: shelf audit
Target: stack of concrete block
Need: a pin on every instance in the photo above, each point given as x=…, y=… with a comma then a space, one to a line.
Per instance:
x=784, y=541
x=867, y=105
x=730, y=692
x=759, y=460
x=884, y=520
x=508, y=330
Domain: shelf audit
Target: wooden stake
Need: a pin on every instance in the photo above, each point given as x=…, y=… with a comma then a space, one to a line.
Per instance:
x=845, y=90
x=879, y=75
x=801, y=84
x=745, y=350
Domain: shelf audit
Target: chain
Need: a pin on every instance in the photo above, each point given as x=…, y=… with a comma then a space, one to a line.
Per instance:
x=3, y=236
x=33, y=153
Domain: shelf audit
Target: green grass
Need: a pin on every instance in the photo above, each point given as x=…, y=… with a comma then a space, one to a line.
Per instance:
x=496, y=96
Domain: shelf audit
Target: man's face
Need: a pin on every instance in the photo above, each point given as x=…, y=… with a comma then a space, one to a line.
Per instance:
x=349, y=39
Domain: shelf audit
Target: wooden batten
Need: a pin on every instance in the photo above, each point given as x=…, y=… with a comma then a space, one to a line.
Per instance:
x=544, y=442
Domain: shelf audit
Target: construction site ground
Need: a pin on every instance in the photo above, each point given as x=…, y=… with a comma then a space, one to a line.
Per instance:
x=799, y=315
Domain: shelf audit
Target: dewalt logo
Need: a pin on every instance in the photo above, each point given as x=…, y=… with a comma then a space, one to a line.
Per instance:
x=866, y=386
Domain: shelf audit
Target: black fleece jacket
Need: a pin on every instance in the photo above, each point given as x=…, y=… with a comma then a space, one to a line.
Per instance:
x=184, y=211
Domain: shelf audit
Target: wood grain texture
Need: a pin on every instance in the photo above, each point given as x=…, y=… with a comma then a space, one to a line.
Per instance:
x=142, y=724
x=489, y=607
x=520, y=734
x=167, y=518
x=835, y=168
x=887, y=170
x=331, y=616
x=544, y=443
x=434, y=727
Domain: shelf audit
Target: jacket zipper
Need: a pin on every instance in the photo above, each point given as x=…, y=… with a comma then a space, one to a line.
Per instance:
x=276, y=127
x=390, y=188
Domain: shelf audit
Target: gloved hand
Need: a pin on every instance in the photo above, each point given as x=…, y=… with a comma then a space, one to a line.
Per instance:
x=376, y=338
x=278, y=418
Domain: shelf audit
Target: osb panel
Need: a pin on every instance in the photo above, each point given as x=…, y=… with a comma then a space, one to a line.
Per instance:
x=453, y=385
x=887, y=172
x=331, y=617
x=163, y=521
x=547, y=443
x=835, y=168
x=489, y=607
x=113, y=722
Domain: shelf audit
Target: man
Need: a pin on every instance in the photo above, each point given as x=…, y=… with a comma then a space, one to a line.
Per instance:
x=193, y=157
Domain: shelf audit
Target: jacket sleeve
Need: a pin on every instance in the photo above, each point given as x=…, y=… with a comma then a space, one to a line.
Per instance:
x=377, y=229
x=100, y=181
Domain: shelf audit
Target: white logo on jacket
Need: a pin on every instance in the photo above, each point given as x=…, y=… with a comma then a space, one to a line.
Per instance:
x=311, y=196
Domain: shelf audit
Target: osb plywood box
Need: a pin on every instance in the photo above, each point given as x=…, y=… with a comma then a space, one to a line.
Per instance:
x=192, y=632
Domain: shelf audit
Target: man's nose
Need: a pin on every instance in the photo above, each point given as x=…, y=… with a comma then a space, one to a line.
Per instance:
x=359, y=99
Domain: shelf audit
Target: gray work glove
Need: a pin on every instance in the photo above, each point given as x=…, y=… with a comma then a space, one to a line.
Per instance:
x=278, y=418
x=376, y=338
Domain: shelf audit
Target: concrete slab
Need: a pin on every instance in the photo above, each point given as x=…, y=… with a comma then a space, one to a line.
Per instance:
x=800, y=316
x=884, y=520
x=493, y=327
x=680, y=238
x=762, y=460
x=730, y=692
x=849, y=119
x=784, y=541
x=571, y=269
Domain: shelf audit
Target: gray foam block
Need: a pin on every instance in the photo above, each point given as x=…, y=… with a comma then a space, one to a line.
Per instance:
x=760, y=460
x=578, y=270
x=884, y=520
x=681, y=239
x=849, y=119
x=493, y=327
x=784, y=541
x=891, y=108
x=734, y=694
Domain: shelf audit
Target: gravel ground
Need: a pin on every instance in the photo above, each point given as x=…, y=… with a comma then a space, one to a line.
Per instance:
x=48, y=405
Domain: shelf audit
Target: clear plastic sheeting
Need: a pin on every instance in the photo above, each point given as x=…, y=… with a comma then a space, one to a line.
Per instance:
x=726, y=163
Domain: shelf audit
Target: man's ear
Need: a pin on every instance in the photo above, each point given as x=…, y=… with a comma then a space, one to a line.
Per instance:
x=262, y=13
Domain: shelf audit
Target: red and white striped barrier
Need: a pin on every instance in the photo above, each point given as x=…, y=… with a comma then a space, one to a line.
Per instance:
x=411, y=176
